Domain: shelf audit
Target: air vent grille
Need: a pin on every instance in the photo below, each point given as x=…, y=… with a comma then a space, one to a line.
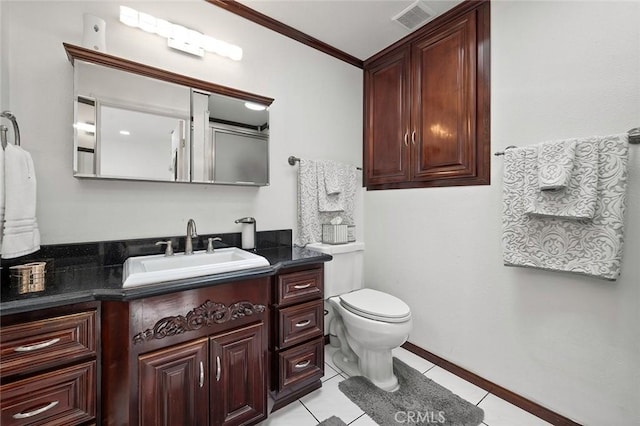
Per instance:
x=415, y=15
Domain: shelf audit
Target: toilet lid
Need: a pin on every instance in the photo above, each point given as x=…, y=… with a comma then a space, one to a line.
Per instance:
x=376, y=305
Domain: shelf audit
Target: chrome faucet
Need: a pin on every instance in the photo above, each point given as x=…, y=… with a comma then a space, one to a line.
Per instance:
x=191, y=233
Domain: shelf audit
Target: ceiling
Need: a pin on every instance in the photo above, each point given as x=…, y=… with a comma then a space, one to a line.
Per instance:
x=360, y=28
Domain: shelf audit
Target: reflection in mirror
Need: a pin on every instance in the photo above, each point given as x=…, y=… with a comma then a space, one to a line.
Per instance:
x=231, y=140
x=137, y=122
x=130, y=127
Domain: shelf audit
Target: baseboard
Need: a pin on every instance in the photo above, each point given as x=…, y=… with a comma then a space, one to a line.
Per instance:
x=511, y=397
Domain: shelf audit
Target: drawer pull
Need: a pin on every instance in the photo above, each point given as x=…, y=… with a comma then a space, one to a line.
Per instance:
x=218, y=369
x=303, y=323
x=37, y=346
x=303, y=364
x=201, y=374
x=35, y=412
x=301, y=286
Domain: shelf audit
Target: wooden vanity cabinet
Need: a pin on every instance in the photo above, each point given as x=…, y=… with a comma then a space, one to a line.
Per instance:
x=194, y=357
x=427, y=105
x=48, y=366
x=296, y=344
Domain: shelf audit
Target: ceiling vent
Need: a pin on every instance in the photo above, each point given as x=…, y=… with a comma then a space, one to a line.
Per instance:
x=415, y=15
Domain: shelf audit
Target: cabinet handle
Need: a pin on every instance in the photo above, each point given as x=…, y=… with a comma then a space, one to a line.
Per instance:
x=37, y=346
x=35, y=412
x=303, y=323
x=406, y=138
x=301, y=286
x=413, y=137
x=218, y=369
x=303, y=364
x=201, y=374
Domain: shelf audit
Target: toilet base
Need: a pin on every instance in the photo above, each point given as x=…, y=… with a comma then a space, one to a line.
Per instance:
x=380, y=375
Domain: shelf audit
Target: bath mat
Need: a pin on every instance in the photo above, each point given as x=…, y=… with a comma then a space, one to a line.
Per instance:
x=332, y=421
x=419, y=400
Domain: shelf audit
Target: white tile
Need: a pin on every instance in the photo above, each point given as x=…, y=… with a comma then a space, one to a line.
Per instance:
x=329, y=372
x=412, y=360
x=457, y=385
x=293, y=414
x=498, y=412
x=330, y=401
x=363, y=420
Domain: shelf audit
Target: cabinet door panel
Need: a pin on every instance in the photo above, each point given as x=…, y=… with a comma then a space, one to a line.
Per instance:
x=237, y=376
x=174, y=385
x=387, y=120
x=444, y=107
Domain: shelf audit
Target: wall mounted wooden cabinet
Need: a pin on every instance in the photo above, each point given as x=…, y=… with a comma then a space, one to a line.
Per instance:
x=427, y=105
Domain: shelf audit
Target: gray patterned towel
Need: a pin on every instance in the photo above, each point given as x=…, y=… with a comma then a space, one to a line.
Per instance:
x=578, y=199
x=585, y=246
x=555, y=163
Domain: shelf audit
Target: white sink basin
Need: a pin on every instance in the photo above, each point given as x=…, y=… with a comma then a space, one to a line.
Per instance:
x=153, y=269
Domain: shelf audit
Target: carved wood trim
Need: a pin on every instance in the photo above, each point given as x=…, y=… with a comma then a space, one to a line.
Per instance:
x=205, y=315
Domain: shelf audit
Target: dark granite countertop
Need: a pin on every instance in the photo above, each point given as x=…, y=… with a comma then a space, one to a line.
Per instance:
x=93, y=271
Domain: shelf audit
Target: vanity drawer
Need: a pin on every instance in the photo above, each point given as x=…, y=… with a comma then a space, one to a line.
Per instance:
x=62, y=397
x=299, y=286
x=300, y=322
x=35, y=345
x=302, y=363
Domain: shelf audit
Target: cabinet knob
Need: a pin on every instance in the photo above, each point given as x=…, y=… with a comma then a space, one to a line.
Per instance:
x=413, y=137
x=406, y=138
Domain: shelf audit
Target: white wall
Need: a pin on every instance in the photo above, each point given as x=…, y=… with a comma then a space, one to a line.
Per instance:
x=570, y=343
x=317, y=114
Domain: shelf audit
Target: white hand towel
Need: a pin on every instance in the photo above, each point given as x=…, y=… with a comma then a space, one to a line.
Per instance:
x=578, y=199
x=334, y=176
x=21, y=235
x=329, y=200
x=591, y=247
x=555, y=163
x=310, y=219
x=2, y=198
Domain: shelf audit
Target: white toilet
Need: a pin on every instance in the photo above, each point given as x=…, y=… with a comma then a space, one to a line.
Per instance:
x=368, y=323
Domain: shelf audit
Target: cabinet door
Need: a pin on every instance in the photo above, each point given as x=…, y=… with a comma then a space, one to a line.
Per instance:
x=174, y=385
x=238, y=389
x=387, y=133
x=444, y=104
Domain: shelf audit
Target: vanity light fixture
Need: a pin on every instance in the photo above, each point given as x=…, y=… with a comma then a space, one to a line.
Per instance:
x=179, y=37
x=254, y=107
x=125, y=132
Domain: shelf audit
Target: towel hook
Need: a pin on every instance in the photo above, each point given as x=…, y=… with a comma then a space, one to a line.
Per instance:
x=16, y=130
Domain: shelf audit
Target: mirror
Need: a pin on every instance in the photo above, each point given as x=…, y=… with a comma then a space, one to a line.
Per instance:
x=231, y=140
x=134, y=122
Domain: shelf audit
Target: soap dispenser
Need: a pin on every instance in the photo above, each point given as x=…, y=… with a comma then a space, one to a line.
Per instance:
x=248, y=232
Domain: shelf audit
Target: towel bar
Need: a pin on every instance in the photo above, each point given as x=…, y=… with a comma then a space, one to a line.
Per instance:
x=16, y=129
x=634, y=139
x=293, y=160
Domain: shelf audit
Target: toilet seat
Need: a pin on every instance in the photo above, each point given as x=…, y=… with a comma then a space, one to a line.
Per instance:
x=376, y=305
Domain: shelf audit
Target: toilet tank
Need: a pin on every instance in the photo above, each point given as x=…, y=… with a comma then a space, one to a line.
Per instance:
x=345, y=272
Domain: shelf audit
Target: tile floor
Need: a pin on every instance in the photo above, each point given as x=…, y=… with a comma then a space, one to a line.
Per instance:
x=330, y=401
